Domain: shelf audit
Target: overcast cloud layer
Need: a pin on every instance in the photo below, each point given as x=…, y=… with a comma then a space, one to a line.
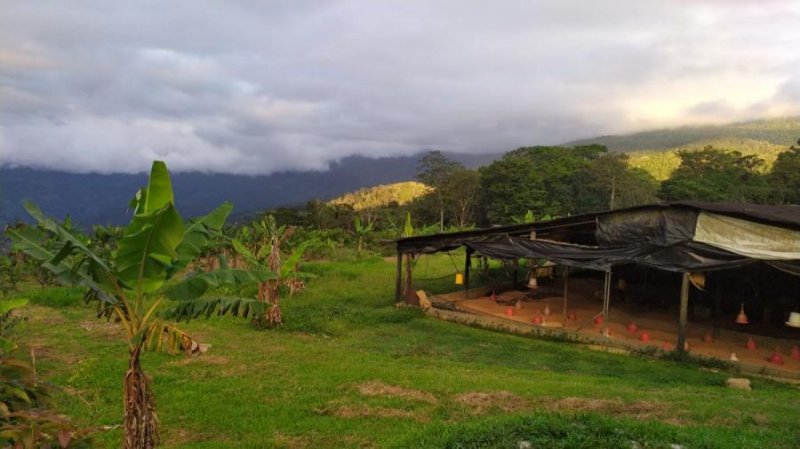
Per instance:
x=255, y=87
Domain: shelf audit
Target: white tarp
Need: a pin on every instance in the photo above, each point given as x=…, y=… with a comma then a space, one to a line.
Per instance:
x=755, y=240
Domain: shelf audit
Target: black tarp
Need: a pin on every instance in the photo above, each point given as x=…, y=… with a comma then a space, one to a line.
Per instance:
x=678, y=257
x=657, y=235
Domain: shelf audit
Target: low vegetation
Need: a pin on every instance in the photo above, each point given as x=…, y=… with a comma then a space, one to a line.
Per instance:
x=348, y=370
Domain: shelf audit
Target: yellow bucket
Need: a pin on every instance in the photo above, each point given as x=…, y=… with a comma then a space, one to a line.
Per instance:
x=459, y=279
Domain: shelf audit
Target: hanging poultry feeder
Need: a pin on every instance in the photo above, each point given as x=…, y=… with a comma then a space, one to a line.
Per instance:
x=532, y=283
x=795, y=353
x=493, y=297
x=598, y=320
x=645, y=337
x=667, y=346
x=733, y=357
x=459, y=278
x=509, y=311
x=741, y=318
x=751, y=344
x=547, y=310
x=632, y=327
x=537, y=319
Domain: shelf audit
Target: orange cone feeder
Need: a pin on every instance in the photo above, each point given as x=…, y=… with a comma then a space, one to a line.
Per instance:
x=776, y=358
x=742, y=317
x=632, y=327
x=751, y=344
x=645, y=337
x=509, y=311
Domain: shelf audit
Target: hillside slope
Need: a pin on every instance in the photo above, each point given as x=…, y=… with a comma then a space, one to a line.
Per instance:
x=782, y=132
x=382, y=195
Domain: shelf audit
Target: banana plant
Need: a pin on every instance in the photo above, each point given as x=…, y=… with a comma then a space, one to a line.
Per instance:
x=151, y=263
x=362, y=231
x=264, y=250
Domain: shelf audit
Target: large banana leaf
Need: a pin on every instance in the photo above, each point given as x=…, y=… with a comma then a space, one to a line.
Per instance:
x=243, y=307
x=62, y=235
x=7, y=305
x=90, y=273
x=159, y=189
x=197, y=235
x=145, y=253
x=197, y=284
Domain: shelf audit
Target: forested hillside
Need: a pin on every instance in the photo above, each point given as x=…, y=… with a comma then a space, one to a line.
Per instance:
x=782, y=132
x=383, y=195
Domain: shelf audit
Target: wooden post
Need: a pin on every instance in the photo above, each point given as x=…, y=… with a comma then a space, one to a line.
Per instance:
x=398, y=282
x=467, y=266
x=566, y=292
x=683, y=314
x=606, y=302
x=717, y=303
x=409, y=259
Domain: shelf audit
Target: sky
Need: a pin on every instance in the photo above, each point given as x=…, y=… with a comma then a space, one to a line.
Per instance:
x=255, y=87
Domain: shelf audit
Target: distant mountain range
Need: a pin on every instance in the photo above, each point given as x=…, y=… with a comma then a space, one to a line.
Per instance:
x=98, y=198
x=102, y=199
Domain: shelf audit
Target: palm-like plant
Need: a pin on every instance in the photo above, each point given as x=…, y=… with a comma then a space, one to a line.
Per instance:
x=362, y=232
x=264, y=249
x=149, y=264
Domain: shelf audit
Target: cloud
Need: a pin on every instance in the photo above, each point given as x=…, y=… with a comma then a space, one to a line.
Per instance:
x=253, y=87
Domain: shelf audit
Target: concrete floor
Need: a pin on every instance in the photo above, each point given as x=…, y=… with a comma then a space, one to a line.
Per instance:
x=585, y=303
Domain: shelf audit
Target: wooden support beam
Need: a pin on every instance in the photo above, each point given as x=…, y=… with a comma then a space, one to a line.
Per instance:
x=684, y=313
x=467, y=266
x=606, y=302
x=717, y=302
x=566, y=294
x=409, y=260
x=398, y=281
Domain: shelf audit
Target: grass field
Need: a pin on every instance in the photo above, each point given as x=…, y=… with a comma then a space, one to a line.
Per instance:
x=348, y=370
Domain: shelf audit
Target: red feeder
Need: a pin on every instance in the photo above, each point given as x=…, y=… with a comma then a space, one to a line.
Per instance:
x=645, y=337
x=632, y=328
x=667, y=346
x=776, y=358
x=708, y=338
x=598, y=320
x=751, y=344
x=572, y=316
x=494, y=296
x=509, y=311
x=796, y=353
x=537, y=319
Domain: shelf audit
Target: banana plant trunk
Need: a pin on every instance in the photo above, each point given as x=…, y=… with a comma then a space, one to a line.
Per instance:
x=269, y=292
x=141, y=423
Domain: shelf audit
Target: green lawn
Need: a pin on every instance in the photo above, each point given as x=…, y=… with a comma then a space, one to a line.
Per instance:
x=349, y=370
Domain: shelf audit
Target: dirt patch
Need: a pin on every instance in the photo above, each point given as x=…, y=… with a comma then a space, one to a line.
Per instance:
x=377, y=388
x=366, y=411
x=292, y=441
x=43, y=352
x=482, y=402
x=637, y=409
x=179, y=437
x=201, y=360
x=106, y=329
